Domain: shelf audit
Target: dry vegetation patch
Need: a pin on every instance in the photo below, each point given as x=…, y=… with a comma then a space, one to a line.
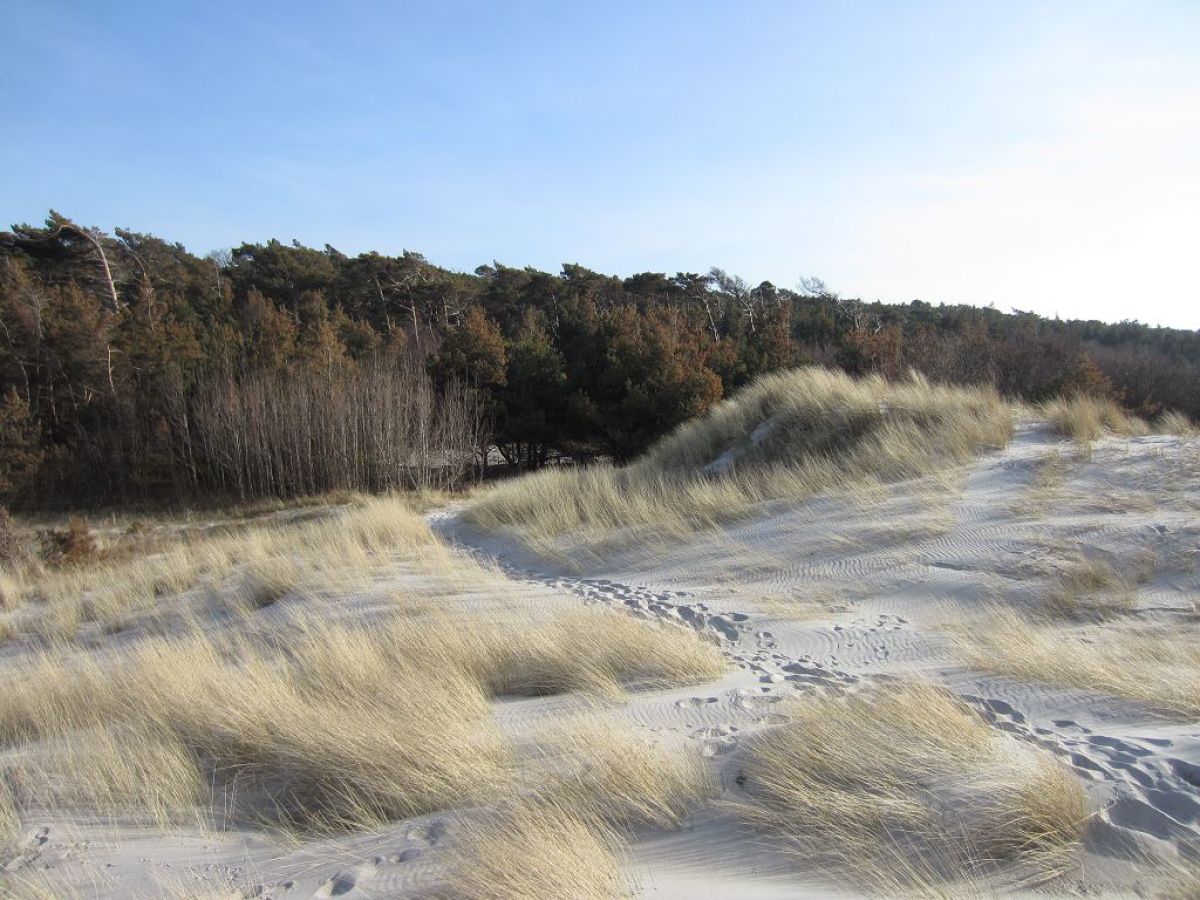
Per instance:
x=244, y=569
x=317, y=724
x=1090, y=587
x=1045, y=487
x=609, y=773
x=789, y=435
x=1159, y=667
x=1085, y=418
x=10, y=821
x=541, y=850
x=904, y=787
x=1176, y=423
x=591, y=650
x=1086, y=586
x=591, y=784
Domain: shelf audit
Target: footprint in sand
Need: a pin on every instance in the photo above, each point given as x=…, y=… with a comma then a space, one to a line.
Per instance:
x=346, y=881
x=428, y=832
x=695, y=701
x=1138, y=815
x=1185, y=771
x=339, y=884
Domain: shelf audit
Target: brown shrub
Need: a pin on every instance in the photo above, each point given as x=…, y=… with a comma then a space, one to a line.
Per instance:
x=68, y=546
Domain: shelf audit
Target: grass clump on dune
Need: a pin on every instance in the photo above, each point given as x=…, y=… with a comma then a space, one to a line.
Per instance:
x=317, y=724
x=1085, y=418
x=903, y=786
x=542, y=850
x=1090, y=587
x=305, y=743
x=1176, y=423
x=1157, y=667
x=119, y=772
x=593, y=783
x=589, y=649
x=613, y=775
x=789, y=435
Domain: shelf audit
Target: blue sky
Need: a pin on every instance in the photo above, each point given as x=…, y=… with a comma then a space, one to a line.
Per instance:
x=1041, y=155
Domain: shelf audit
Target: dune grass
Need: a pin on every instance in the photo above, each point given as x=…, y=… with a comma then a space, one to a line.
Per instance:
x=1157, y=667
x=1044, y=491
x=118, y=771
x=247, y=569
x=1085, y=418
x=1182, y=884
x=318, y=725
x=591, y=783
x=789, y=435
x=902, y=787
x=10, y=592
x=10, y=820
x=590, y=650
x=1092, y=587
x=1177, y=423
x=299, y=748
x=608, y=773
x=543, y=850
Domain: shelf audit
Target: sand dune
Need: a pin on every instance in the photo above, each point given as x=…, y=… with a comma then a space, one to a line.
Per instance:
x=680, y=715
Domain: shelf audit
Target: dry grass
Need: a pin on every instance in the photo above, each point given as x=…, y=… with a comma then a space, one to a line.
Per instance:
x=801, y=606
x=10, y=592
x=1091, y=587
x=134, y=776
x=589, y=650
x=301, y=741
x=248, y=569
x=1176, y=423
x=10, y=821
x=320, y=725
x=610, y=774
x=593, y=782
x=1182, y=884
x=1160, y=667
x=789, y=435
x=538, y=850
x=1044, y=490
x=903, y=786
x=1085, y=418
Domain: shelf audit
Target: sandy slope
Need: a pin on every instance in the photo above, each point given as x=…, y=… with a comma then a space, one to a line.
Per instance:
x=830, y=591
x=845, y=588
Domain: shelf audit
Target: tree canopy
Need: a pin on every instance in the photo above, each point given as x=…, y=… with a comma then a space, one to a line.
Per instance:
x=110, y=344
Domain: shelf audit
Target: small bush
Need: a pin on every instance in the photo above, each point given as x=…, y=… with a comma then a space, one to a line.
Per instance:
x=70, y=546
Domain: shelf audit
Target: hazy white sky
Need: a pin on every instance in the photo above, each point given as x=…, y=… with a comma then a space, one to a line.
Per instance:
x=1037, y=155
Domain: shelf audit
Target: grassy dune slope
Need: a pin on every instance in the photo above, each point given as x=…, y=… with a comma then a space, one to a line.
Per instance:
x=789, y=435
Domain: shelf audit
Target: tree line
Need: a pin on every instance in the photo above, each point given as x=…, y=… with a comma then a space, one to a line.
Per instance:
x=131, y=368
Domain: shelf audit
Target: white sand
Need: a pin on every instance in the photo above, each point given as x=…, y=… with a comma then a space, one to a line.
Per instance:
x=803, y=595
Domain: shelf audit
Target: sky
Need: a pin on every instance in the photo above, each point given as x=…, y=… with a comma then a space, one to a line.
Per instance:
x=1042, y=156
